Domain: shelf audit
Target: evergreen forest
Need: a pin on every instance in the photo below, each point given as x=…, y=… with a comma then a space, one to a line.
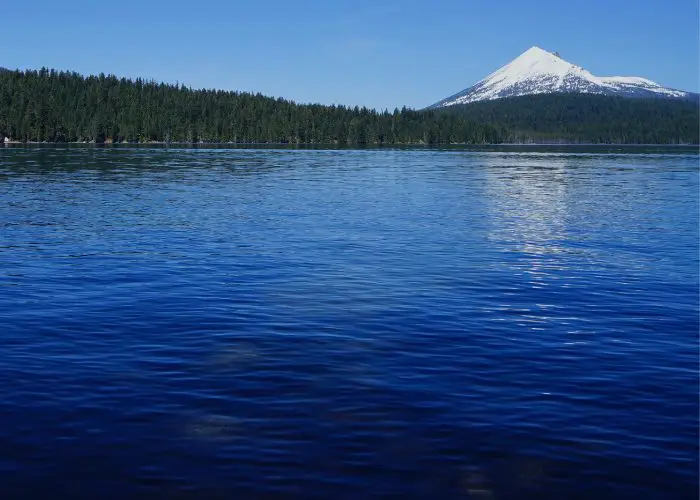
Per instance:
x=53, y=106
x=588, y=118
x=58, y=106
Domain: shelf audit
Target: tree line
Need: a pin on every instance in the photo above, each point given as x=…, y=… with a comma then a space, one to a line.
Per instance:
x=58, y=106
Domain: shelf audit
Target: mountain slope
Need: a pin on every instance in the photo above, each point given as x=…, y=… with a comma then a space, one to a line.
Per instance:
x=587, y=118
x=537, y=71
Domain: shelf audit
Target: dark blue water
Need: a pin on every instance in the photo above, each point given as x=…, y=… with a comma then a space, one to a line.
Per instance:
x=515, y=323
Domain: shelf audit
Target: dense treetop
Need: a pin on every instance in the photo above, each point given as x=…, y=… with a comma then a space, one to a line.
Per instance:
x=56, y=106
x=48, y=105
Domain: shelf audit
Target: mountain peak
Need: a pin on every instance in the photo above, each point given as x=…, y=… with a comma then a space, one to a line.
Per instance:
x=535, y=50
x=537, y=53
x=538, y=71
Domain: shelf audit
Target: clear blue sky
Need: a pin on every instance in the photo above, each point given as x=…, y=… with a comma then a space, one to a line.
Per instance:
x=373, y=53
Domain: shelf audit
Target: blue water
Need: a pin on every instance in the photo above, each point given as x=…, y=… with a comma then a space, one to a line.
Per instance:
x=237, y=323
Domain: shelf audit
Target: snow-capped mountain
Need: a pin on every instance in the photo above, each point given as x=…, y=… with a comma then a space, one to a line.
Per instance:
x=537, y=71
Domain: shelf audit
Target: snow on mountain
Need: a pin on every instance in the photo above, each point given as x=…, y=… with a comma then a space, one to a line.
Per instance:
x=537, y=71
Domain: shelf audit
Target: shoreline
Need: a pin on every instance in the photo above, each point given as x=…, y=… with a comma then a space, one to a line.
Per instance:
x=343, y=145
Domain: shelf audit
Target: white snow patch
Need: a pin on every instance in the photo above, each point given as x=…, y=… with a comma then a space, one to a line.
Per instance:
x=537, y=71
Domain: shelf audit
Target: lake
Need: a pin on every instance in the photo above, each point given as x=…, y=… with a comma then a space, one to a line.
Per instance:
x=492, y=323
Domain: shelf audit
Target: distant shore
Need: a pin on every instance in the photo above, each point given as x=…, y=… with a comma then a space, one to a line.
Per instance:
x=338, y=144
x=107, y=110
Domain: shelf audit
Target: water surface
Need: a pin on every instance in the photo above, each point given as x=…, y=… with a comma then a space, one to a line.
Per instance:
x=438, y=323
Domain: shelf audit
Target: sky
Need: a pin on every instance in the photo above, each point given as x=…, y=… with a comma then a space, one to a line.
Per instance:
x=379, y=54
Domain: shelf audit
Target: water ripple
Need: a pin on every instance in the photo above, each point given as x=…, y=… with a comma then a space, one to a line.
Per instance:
x=243, y=323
